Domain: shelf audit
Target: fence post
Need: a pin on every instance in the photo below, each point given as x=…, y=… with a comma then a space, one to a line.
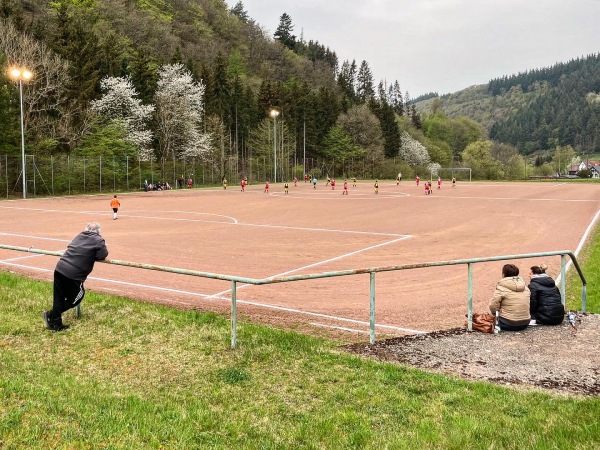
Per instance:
x=563, y=278
x=372, y=308
x=470, y=297
x=52, y=172
x=127, y=170
x=233, y=316
x=100, y=174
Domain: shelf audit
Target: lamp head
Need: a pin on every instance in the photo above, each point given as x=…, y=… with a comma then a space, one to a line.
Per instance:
x=274, y=113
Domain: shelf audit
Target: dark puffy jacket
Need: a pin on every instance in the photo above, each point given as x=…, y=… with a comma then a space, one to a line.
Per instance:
x=545, y=302
x=78, y=260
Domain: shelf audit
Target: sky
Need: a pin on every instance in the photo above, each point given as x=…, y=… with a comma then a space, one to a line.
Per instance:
x=441, y=46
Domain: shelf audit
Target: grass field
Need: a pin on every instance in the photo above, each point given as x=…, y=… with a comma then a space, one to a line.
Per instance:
x=136, y=375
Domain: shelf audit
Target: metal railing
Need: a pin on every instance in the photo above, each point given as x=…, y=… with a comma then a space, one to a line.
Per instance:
x=371, y=271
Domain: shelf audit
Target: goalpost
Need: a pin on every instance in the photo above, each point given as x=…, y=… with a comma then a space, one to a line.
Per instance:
x=460, y=173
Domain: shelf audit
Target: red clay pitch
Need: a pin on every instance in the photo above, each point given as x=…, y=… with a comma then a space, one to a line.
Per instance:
x=253, y=234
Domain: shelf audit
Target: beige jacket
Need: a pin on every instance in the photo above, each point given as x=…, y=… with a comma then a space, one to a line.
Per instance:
x=511, y=298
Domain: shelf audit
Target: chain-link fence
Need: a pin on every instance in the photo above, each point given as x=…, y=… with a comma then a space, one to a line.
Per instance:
x=68, y=175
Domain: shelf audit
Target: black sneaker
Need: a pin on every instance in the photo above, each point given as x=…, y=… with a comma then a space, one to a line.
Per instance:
x=46, y=321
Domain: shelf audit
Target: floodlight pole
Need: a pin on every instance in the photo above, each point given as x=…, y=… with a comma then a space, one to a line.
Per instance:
x=23, y=165
x=274, y=113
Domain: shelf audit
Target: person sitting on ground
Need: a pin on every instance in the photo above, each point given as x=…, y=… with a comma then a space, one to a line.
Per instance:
x=511, y=300
x=545, y=302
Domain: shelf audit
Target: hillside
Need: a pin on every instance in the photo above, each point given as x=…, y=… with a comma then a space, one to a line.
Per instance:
x=535, y=110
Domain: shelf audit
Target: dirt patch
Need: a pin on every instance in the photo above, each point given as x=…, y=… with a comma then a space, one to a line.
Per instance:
x=559, y=358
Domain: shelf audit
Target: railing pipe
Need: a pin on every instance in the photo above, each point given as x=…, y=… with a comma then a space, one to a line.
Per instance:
x=470, y=297
x=371, y=271
x=372, y=308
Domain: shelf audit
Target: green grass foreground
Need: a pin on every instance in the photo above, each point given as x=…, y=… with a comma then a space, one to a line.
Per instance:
x=130, y=375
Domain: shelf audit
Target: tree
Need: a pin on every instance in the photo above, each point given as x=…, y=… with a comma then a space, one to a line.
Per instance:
x=179, y=109
x=563, y=157
x=44, y=96
x=338, y=144
x=478, y=156
x=412, y=151
x=239, y=11
x=283, y=33
x=364, y=82
x=365, y=131
x=120, y=103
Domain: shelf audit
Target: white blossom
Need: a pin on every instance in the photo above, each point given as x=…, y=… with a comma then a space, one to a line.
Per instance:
x=179, y=111
x=120, y=103
x=412, y=151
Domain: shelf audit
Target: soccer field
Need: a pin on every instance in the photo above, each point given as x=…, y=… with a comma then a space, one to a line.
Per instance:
x=259, y=235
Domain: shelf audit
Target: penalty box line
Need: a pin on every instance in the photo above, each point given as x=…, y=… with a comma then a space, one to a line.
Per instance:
x=319, y=263
x=224, y=299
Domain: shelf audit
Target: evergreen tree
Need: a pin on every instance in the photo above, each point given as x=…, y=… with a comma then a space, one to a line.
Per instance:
x=364, y=82
x=239, y=11
x=284, y=32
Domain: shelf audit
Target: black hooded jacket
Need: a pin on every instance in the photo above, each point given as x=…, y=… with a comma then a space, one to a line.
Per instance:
x=545, y=303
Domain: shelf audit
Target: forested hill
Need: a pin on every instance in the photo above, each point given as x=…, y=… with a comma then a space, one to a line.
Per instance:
x=538, y=109
x=72, y=45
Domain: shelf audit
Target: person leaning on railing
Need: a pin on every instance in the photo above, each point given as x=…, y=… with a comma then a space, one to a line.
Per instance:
x=545, y=303
x=511, y=300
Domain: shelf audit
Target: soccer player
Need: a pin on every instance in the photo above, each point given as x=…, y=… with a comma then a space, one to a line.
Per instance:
x=314, y=182
x=224, y=183
x=418, y=179
x=333, y=184
x=115, y=204
x=295, y=181
x=453, y=181
x=286, y=187
x=345, y=191
x=376, y=187
x=266, y=187
x=243, y=185
x=353, y=181
x=426, y=184
x=439, y=182
x=328, y=181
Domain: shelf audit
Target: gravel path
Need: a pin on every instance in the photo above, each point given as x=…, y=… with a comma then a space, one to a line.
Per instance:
x=557, y=358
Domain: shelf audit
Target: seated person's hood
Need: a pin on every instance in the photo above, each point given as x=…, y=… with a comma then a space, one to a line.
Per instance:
x=516, y=284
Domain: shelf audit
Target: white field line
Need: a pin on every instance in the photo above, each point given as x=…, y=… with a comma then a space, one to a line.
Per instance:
x=19, y=258
x=581, y=242
x=34, y=237
x=227, y=299
x=319, y=263
x=181, y=219
x=520, y=199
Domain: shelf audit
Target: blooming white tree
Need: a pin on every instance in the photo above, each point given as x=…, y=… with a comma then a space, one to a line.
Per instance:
x=119, y=103
x=434, y=168
x=412, y=151
x=179, y=110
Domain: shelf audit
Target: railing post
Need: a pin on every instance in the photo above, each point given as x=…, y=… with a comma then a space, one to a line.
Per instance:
x=78, y=310
x=584, y=297
x=563, y=278
x=470, y=298
x=233, y=316
x=372, y=308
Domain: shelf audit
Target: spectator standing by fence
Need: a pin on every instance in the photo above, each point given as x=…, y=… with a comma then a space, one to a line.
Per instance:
x=71, y=271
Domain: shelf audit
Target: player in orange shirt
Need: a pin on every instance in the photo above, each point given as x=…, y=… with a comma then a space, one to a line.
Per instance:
x=345, y=191
x=115, y=204
x=418, y=179
x=266, y=187
x=439, y=182
x=333, y=184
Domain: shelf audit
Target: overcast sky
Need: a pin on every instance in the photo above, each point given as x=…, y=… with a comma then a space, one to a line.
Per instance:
x=441, y=45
